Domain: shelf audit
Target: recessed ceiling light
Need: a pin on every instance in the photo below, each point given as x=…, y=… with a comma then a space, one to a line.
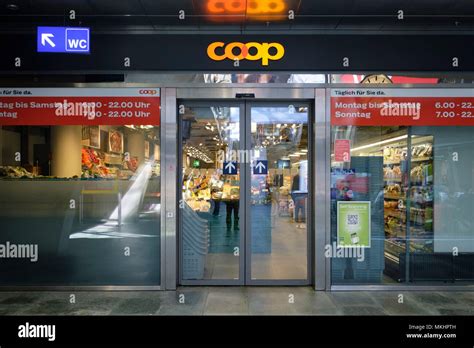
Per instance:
x=12, y=7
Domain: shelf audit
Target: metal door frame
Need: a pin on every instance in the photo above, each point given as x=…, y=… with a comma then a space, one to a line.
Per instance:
x=224, y=95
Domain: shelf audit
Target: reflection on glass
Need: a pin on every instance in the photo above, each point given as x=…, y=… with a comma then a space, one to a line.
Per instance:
x=279, y=198
x=210, y=219
x=420, y=196
x=87, y=196
x=234, y=10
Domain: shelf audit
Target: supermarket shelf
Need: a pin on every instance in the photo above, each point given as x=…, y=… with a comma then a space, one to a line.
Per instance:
x=393, y=197
x=393, y=180
x=422, y=159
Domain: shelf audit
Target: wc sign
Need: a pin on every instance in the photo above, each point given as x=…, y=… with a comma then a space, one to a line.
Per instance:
x=63, y=40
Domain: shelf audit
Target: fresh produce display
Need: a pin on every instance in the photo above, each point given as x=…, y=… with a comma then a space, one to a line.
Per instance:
x=14, y=172
x=93, y=165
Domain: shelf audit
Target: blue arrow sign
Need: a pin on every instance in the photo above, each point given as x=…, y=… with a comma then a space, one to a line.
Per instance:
x=261, y=167
x=63, y=40
x=230, y=168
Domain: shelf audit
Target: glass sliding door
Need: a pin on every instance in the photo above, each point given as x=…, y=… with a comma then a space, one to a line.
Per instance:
x=245, y=206
x=210, y=194
x=278, y=193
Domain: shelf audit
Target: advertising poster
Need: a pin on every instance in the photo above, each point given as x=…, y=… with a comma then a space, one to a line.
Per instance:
x=342, y=150
x=116, y=142
x=353, y=224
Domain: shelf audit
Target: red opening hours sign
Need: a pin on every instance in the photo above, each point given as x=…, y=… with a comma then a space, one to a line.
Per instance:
x=402, y=107
x=79, y=106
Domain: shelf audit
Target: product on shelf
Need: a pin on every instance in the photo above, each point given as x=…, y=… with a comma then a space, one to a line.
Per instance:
x=418, y=190
x=393, y=189
x=392, y=173
x=390, y=204
x=421, y=151
x=393, y=154
x=93, y=164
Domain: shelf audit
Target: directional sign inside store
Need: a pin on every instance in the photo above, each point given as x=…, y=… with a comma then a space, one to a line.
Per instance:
x=230, y=168
x=261, y=167
x=63, y=40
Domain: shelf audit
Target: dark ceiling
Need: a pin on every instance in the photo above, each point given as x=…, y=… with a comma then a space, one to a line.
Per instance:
x=240, y=15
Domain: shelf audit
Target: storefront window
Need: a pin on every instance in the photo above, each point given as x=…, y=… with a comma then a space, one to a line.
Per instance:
x=401, y=196
x=80, y=203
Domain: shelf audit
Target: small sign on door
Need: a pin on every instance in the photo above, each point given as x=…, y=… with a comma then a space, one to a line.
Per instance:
x=342, y=150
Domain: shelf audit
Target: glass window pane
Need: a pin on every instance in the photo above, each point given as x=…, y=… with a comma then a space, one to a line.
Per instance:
x=87, y=197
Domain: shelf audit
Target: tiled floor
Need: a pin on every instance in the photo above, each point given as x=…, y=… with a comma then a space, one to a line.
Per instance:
x=237, y=301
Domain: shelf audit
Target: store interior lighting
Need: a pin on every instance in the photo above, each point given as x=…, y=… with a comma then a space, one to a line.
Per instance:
x=139, y=127
x=387, y=141
x=194, y=152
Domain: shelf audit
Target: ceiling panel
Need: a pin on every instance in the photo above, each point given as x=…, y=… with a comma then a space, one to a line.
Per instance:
x=221, y=15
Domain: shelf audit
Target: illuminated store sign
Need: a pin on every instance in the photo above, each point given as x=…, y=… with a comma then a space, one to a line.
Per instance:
x=250, y=51
x=230, y=10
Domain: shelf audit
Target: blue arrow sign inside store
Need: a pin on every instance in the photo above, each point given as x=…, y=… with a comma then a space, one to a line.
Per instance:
x=230, y=168
x=63, y=40
x=261, y=167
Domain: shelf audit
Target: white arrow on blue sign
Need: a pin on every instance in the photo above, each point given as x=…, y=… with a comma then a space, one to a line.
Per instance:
x=230, y=168
x=63, y=40
x=261, y=167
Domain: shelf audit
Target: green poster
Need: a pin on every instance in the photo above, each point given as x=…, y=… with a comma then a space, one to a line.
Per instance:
x=353, y=224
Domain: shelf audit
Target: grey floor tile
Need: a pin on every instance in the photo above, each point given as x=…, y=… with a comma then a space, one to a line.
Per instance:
x=137, y=306
x=466, y=297
x=389, y=301
x=434, y=298
x=226, y=302
x=237, y=301
x=12, y=309
x=351, y=298
x=274, y=301
x=181, y=309
x=362, y=310
x=19, y=298
x=48, y=307
x=455, y=311
x=322, y=304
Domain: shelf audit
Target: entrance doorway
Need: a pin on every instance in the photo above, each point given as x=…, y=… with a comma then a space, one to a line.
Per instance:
x=245, y=192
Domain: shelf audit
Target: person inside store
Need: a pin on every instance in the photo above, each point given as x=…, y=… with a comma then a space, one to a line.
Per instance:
x=232, y=206
x=299, y=200
x=232, y=202
x=216, y=193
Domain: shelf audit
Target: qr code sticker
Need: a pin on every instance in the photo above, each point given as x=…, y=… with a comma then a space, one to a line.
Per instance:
x=352, y=219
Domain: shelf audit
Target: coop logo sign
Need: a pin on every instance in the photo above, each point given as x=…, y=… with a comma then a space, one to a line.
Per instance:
x=236, y=51
x=148, y=91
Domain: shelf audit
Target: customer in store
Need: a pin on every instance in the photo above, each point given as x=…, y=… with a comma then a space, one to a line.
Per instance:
x=299, y=200
x=232, y=206
x=216, y=193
